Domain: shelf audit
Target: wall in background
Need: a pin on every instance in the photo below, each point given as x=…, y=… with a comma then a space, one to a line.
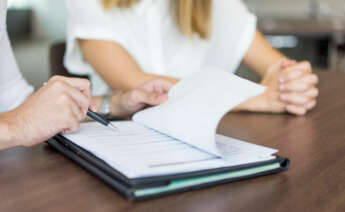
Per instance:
x=49, y=17
x=297, y=8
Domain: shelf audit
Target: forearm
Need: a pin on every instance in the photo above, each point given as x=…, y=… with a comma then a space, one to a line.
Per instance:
x=104, y=57
x=255, y=104
x=261, y=55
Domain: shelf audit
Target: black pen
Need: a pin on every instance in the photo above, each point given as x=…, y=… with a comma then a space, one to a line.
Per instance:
x=99, y=119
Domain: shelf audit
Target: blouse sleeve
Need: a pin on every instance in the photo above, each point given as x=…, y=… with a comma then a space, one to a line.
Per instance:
x=14, y=89
x=233, y=31
x=87, y=20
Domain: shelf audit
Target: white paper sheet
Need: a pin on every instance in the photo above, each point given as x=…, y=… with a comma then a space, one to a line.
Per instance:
x=138, y=151
x=180, y=135
x=197, y=104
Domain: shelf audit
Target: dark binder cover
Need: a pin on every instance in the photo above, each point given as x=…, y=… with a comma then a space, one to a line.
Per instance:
x=128, y=187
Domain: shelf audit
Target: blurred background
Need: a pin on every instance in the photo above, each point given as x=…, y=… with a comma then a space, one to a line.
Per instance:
x=311, y=30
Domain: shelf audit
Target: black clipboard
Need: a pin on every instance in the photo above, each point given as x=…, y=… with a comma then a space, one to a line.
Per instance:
x=127, y=187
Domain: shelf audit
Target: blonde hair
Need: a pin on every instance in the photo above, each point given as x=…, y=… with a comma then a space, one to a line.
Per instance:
x=192, y=16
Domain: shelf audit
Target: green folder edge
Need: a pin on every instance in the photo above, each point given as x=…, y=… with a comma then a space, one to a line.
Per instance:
x=178, y=184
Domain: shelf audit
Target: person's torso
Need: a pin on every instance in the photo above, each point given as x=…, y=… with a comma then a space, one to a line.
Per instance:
x=13, y=87
x=3, y=8
x=149, y=32
x=156, y=43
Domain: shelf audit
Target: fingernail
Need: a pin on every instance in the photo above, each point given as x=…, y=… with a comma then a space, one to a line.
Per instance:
x=283, y=97
x=281, y=87
x=281, y=79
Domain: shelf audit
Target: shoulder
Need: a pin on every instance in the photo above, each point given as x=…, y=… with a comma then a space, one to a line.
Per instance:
x=92, y=12
x=232, y=8
x=231, y=13
x=84, y=8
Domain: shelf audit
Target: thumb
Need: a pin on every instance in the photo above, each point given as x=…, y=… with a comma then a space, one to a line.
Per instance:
x=282, y=63
x=288, y=63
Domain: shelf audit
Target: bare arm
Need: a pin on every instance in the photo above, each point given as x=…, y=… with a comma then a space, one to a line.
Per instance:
x=260, y=55
x=120, y=71
x=290, y=85
x=6, y=139
x=117, y=68
x=42, y=116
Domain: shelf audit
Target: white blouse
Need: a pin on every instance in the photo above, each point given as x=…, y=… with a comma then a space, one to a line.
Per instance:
x=13, y=88
x=149, y=33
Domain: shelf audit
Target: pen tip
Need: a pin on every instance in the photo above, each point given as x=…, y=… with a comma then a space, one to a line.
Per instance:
x=112, y=126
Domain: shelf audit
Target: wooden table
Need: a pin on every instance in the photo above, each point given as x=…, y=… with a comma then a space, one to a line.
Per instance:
x=40, y=179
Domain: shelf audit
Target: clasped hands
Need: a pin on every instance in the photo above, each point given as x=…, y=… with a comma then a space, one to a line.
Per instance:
x=291, y=87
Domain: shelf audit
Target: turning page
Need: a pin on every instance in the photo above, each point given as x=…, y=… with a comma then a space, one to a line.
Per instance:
x=196, y=105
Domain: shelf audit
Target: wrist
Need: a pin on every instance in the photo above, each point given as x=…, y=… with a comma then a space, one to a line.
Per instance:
x=270, y=68
x=116, y=107
x=255, y=104
x=9, y=130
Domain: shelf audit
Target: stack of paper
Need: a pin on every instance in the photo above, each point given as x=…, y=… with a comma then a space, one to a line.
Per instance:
x=179, y=135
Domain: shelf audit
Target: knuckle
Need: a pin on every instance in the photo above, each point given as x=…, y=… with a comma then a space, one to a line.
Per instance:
x=316, y=79
x=57, y=78
x=64, y=98
x=289, y=86
x=312, y=104
x=307, y=65
x=304, y=100
x=300, y=111
x=154, y=99
x=303, y=112
x=86, y=82
x=57, y=85
x=134, y=95
x=298, y=99
x=314, y=92
x=54, y=78
x=304, y=86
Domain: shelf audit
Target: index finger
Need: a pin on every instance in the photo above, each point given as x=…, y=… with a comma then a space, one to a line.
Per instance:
x=296, y=71
x=82, y=85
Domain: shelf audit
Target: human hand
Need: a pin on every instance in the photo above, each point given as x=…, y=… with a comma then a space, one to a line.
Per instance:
x=269, y=101
x=297, y=87
x=57, y=107
x=154, y=92
x=290, y=88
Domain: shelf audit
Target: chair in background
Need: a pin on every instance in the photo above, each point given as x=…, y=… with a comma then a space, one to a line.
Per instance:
x=56, y=55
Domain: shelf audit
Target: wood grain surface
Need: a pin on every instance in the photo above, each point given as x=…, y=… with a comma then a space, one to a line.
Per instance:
x=41, y=179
